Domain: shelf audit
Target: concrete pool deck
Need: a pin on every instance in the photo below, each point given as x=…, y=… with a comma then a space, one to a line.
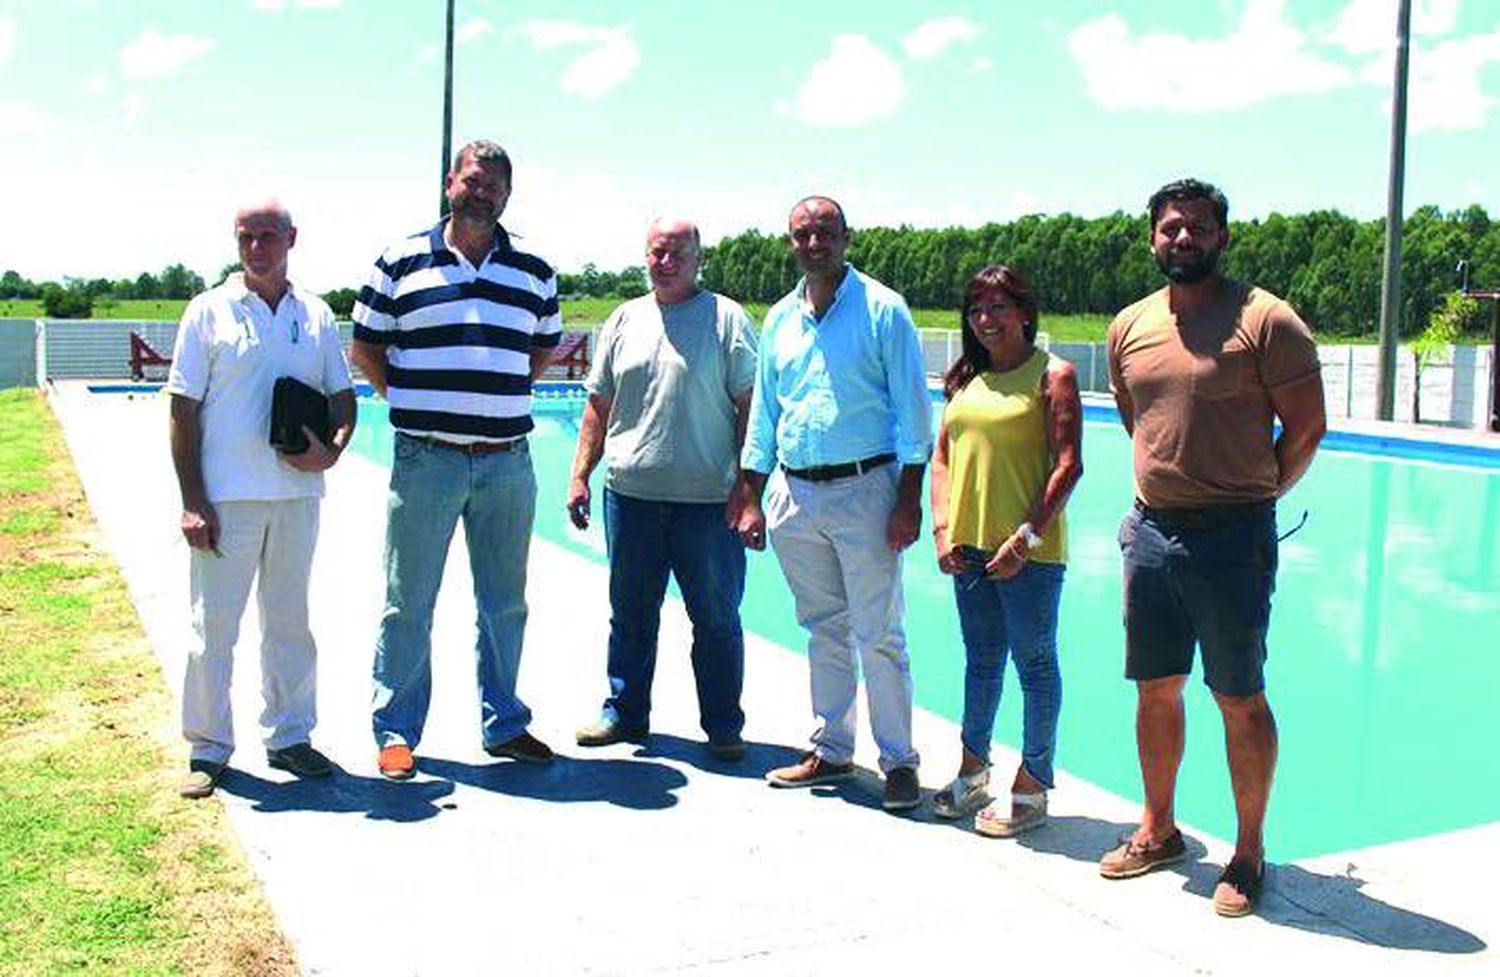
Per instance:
x=634, y=859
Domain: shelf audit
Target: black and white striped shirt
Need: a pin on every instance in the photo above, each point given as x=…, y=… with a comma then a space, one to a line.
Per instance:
x=459, y=338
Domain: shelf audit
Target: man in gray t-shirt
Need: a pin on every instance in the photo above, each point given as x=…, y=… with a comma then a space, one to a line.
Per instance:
x=669, y=394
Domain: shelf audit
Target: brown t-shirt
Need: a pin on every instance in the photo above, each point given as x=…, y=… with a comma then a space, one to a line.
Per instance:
x=1200, y=385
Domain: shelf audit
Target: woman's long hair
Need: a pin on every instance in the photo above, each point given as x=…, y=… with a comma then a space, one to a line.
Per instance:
x=974, y=358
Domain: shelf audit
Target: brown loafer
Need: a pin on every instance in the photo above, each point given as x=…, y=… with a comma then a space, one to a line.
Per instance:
x=809, y=771
x=1131, y=860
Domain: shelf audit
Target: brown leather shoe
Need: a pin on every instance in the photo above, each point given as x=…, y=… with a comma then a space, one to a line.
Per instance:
x=1130, y=859
x=396, y=762
x=810, y=770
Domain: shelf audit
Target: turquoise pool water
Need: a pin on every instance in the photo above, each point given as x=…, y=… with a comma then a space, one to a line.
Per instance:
x=1385, y=644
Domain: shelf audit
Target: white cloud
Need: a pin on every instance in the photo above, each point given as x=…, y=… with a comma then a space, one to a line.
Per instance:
x=1445, y=91
x=1263, y=58
x=97, y=83
x=20, y=118
x=980, y=64
x=931, y=37
x=157, y=55
x=607, y=66
x=7, y=38
x=548, y=34
x=473, y=29
x=612, y=56
x=1369, y=26
x=855, y=84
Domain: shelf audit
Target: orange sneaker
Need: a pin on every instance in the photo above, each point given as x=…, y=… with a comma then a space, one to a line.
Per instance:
x=396, y=762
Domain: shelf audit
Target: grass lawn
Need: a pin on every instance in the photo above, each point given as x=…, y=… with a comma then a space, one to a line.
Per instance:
x=590, y=312
x=102, y=868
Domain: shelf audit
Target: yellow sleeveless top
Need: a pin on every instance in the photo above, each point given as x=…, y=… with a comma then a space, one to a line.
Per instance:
x=998, y=459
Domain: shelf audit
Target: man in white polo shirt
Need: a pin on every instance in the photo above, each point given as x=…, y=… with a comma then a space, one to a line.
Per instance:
x=249, y=511
x=452, y=330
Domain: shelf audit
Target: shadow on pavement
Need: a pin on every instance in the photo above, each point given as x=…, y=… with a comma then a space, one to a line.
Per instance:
x=1332, y=905
x=340, y=793
x=760, y=758
x=637, y=784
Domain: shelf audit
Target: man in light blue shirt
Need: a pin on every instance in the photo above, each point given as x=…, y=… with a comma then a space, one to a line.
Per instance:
x=840, y=430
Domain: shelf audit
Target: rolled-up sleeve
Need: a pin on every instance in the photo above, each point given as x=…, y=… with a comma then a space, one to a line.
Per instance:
x=906, y=380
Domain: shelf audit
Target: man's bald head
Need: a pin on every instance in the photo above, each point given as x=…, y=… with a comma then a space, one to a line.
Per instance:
x=264, y=234
x=821, y=203
x=269, y=208
x=673, y=248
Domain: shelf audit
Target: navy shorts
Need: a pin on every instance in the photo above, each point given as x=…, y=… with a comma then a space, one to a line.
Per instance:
x=1204, y=577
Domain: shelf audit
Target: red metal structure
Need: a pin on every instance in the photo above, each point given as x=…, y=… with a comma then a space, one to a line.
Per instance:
x=142, y=356
x=572, y=354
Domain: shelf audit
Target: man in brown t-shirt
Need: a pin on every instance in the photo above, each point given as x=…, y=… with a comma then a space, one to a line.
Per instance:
x=1200, y=370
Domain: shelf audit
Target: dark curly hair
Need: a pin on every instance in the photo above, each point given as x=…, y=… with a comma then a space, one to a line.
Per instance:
x=975, y=359
x=1189, y=189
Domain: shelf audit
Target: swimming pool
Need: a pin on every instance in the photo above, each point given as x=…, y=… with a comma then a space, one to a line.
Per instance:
x=1383, y=644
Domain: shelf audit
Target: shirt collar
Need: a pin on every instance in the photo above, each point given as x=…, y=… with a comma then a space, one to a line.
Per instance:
x=239, y=291
x=437, y=242
x=838, y=293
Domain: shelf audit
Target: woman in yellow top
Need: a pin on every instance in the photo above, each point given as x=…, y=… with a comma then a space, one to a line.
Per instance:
x=1007, y=456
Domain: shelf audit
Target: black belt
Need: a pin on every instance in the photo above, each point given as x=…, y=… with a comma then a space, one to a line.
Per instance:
x=473, y=447
x=1206, y=516
x=827, y=473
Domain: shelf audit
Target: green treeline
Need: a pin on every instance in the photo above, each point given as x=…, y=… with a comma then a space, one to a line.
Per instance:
x=1328, y=265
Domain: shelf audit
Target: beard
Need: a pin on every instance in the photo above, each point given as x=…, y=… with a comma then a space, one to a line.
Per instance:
x=474, y=209
x=1189, y=268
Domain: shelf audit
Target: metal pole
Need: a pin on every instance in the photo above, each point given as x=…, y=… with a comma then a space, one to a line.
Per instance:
x=447, y=114
x=1390, y=295
x=1495, y=365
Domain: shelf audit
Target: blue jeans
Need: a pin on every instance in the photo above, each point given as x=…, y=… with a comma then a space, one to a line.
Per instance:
x=647, y=541
x=1018, y=616
x=432, y=487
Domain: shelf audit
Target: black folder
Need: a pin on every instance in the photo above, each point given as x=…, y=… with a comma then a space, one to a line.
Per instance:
x=294, y=405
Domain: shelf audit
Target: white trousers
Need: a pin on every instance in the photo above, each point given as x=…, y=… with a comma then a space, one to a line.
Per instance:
x=830, y=538
x=270, y=543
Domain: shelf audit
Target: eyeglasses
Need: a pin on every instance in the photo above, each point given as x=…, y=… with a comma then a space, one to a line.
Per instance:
x=978, y=312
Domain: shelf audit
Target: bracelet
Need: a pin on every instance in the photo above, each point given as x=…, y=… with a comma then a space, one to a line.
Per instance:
x=1028, y=532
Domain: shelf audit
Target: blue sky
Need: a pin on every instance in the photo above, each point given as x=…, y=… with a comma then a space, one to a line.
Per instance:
x=130, y=129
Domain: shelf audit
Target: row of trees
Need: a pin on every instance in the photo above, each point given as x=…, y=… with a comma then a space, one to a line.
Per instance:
x=593, y=283
x=1328, y=265
x=74, y=298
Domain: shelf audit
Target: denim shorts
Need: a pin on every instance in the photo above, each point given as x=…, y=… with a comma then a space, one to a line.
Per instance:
x=1205, y=581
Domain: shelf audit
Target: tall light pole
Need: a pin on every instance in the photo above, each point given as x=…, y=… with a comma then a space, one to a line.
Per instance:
x=447, y=113
x=1390, y=294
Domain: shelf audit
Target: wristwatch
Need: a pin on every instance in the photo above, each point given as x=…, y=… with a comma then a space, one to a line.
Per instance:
x=1027, y=532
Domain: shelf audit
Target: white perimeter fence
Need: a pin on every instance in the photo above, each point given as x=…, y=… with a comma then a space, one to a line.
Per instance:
x=1455, y=391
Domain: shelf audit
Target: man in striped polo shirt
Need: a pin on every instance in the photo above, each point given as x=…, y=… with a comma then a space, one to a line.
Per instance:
x=452, y=330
